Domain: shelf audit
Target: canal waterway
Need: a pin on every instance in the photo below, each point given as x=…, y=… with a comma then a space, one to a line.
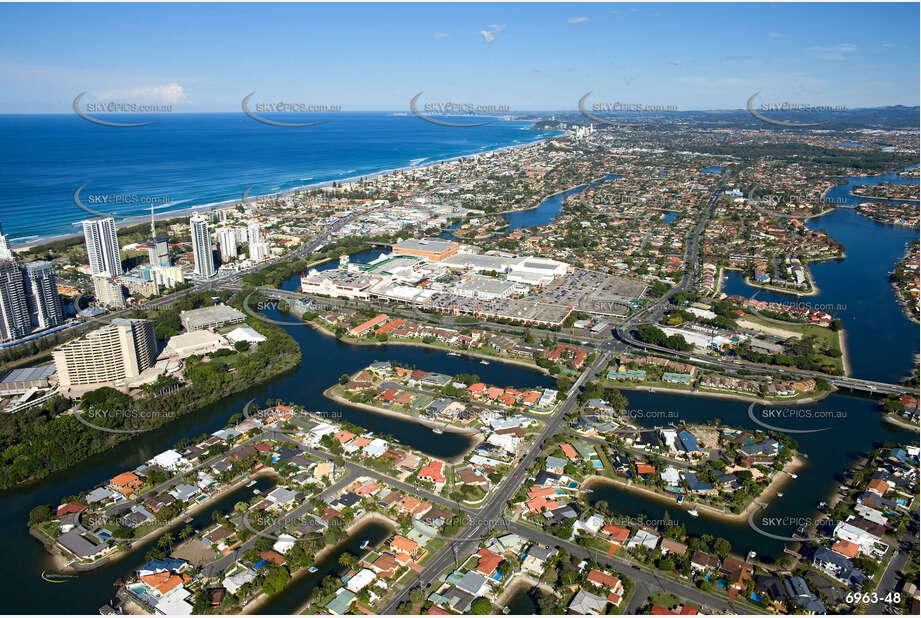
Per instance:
x=299, y=590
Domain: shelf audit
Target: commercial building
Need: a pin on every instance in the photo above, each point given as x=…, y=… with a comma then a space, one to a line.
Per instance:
x=102, y=246
x=434, y=250
x=201, y=246
x=209, y=318
x=120, y=350
x=41, y=290
x=484, y=287
x=19, y=381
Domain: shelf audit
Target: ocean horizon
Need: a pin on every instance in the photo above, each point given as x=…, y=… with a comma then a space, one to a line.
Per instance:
x=194, y=160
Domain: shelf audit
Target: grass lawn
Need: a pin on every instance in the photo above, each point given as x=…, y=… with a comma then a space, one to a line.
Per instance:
x=664, y=599
x=824, y=336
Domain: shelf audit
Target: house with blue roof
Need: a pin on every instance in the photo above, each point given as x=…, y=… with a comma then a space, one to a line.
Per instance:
x=688, y=441
x=695, y=485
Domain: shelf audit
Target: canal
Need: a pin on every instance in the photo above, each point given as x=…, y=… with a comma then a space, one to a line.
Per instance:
x=880, y=340
x=324, y=360
x=298, y=593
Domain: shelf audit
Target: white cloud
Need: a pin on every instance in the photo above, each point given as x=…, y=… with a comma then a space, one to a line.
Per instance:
x=674, y=62
x=578, y=20
x=441, y=35
x=489, y=35
x=835, y=52
x=777, y=35
x=169, y=93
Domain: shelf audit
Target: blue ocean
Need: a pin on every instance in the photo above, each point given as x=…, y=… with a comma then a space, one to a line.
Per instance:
x=186, y=160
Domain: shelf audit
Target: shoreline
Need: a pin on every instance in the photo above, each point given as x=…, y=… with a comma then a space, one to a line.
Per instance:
x=476, y=436
x=501, y=359
x=135, y=544
x=517, y=582
x=262, y=598
x=736, y=396
x=133, y=220
x=759, y=501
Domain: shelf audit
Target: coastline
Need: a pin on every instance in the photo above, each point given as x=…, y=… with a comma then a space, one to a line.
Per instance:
x=770, y=492
x=133, y=220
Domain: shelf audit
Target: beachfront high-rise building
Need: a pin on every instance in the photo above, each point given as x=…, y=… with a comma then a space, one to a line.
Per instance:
x=41, y=290
x=102, y=246
x=120, y=350
x=227, y=242
x=201, y=246
x=5, y=252
x=14, y=308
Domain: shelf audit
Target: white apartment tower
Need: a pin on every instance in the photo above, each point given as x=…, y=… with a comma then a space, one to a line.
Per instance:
x=102, y=246
x=201, y=246
x=5, y=252
x=227, y=242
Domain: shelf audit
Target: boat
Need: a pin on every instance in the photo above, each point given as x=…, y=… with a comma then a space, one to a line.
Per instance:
x=779, y=495
x=453, y=354
x=312, y=569
x=364, y=544
x=792, y=475
x=680, y=499
x=251, y=483
x=693, y=513
x=257, y=492
x=437, y=430
x=484, y=362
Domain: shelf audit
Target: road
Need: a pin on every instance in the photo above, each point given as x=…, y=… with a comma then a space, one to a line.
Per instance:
x=644, y=578
x=491, y=516
x=212, y=569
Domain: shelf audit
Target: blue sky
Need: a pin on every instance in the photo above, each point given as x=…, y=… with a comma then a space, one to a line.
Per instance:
x=207, y=57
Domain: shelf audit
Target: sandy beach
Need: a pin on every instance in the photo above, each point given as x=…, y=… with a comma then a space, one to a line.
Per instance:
x=139, y=219
x=769, y=493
